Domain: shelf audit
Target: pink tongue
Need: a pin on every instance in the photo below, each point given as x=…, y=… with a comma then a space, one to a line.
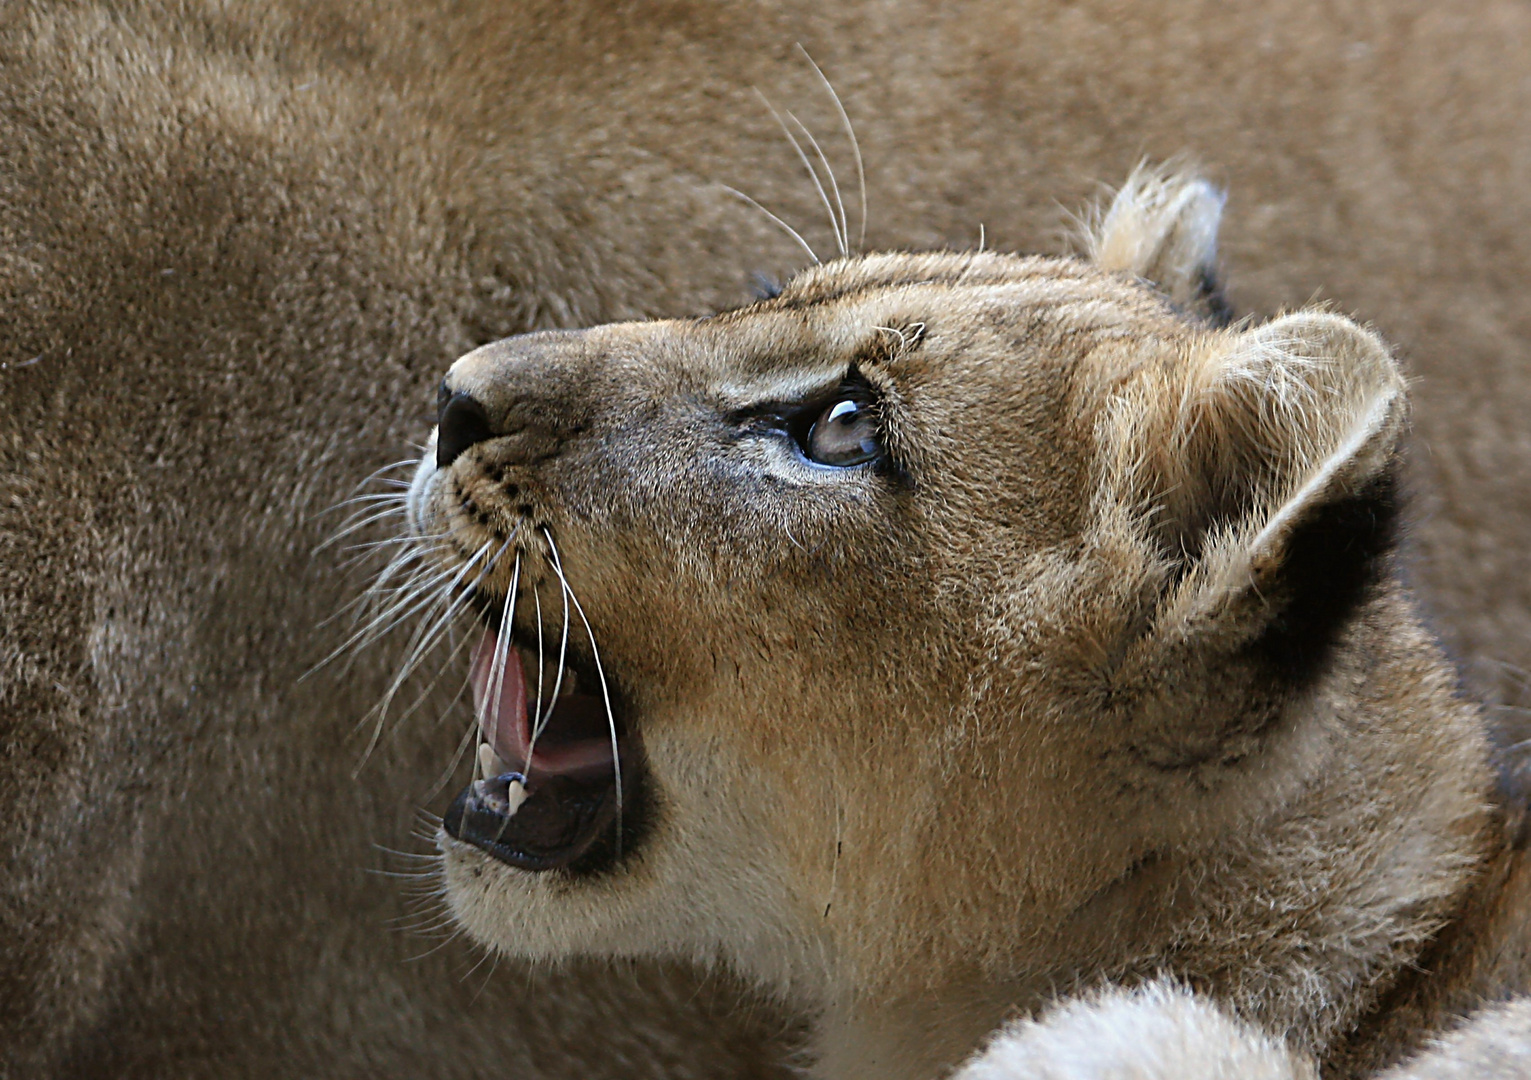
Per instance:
x=499, y=700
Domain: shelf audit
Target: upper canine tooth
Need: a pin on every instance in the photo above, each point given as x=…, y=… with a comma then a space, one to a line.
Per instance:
x=489, y=763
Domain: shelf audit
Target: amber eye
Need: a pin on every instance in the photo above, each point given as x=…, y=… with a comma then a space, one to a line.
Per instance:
x=845, y=434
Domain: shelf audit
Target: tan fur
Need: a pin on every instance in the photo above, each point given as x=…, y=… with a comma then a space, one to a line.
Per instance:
x=240, y=242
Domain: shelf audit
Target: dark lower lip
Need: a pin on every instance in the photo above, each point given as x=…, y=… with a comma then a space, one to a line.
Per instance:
x=566, y=822
x=559, y=822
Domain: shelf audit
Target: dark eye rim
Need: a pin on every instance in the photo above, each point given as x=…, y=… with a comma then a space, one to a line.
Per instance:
x=796, y=420
x=803, y=425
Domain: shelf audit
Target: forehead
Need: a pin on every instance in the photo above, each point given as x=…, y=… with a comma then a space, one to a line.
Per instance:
x=930, y=314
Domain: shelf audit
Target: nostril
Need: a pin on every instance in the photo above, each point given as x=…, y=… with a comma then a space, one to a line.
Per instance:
x=462, y=423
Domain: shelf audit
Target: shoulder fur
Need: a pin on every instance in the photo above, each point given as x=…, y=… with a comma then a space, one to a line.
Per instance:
x=1156, y=1032
x=1162, y=1031
x=1493, y=1045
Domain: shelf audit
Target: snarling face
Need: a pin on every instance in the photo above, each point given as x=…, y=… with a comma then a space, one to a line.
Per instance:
x=851, y=633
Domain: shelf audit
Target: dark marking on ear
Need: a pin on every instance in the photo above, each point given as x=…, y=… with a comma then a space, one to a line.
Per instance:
x=1211, y=301
x=1334, y=561
x=764, y=286
x=807, y=301
x=1509, y=732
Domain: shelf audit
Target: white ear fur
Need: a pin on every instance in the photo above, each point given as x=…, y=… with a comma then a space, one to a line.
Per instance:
x=1161, y=226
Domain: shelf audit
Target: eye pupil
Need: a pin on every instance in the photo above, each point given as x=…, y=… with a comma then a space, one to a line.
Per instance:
x=845, y=434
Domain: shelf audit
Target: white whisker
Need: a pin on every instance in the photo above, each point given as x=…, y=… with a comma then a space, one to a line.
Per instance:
x=363, y=500
x=807, y=165
x=390, y=467
x=426, y=636
x=356, y=524
x=492, y=969
x=790, y=231
x=537, y=602
x=447, y=664
x=405, y=875
x=563, y=652
x=456, y=933
x=428, y=632
x=363, y=548
x=850, y=134
x=415, y=597
x=840, y=223
x=595, y=653
x=469, y=738
x=408, y=562
x=488, y=954
x=502, y=640
x=421, y=856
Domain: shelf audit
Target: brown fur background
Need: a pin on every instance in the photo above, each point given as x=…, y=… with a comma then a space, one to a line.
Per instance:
x=238, y=246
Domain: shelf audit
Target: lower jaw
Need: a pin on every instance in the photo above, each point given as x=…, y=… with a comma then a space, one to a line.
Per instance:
x=577, y=825
x=555, y=826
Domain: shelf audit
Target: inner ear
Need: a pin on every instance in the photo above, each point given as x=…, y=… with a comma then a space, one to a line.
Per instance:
x=1272, y=486
x=1324, y=569
x=1161, y=227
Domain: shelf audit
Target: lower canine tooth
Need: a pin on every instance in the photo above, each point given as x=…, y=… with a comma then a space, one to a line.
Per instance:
x=515, y=795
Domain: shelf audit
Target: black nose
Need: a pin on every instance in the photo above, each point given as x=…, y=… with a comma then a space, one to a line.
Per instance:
x=462, y=423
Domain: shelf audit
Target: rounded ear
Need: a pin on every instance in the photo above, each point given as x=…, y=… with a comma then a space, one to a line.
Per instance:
x=1252, y=479
x=1161, y=227
x=1299, y=415
x=1262, y=470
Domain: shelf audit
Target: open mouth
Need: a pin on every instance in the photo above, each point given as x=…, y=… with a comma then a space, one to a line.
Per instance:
x=556, y=782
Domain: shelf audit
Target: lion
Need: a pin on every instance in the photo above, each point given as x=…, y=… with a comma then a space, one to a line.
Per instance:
x=947, y=629
x=239, y=243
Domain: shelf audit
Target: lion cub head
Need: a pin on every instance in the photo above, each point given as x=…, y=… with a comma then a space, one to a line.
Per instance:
x=859, y=636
